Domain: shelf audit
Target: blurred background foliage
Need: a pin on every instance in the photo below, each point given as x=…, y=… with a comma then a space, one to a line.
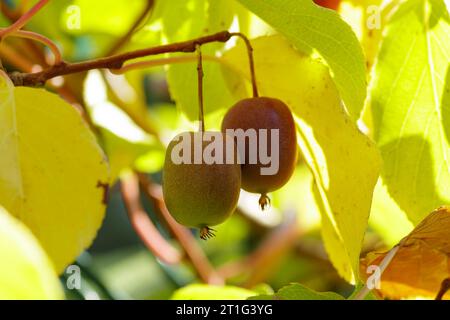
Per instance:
x=118, y=265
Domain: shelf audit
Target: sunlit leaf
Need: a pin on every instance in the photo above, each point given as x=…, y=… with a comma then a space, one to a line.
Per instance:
x=207, y=292
x=386, y=218
x=53, y=174
x=410, y=103
x=25, y=272
x=344, y=162
x=101, y=16
x=422, y=261
x=125, y=142
x=309, y=26
x=298, y=292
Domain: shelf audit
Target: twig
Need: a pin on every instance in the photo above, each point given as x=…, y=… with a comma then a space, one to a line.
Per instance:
x=162, y=62
x=26, y=65
x=142, y=224
x=445, y=286
x=123, y=40
x=193, y=251
x=40, y=38
x=113, y=62
x=16, y=26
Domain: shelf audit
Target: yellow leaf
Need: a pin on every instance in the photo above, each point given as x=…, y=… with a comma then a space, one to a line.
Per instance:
x=25, y=272
x=53, y=174
x=421, y=262
x=344, y=162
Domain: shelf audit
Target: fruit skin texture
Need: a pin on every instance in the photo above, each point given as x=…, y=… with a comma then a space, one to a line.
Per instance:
x=200, y=195
x=331, y=4
x=265, y=113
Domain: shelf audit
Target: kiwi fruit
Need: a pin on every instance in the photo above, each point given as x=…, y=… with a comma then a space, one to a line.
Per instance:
x=200, y=195
x=265, y=113
x=331, y=4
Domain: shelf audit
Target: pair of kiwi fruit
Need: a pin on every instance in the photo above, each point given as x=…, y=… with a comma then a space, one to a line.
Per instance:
x=201, y=195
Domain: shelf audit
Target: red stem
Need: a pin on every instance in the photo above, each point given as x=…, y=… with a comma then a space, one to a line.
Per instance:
x=142, y=224
x=23, y=20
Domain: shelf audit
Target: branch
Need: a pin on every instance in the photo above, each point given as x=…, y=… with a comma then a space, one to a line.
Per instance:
x=112, y=62
x=142, y=224
x=193, y=251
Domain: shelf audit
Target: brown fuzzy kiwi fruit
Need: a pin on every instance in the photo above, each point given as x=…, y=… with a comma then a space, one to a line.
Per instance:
x=200, y=195
x=265, y=113
x=331, y=4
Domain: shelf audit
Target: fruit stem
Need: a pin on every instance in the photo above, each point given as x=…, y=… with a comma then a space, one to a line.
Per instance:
x=251, y=61
x=200, y=88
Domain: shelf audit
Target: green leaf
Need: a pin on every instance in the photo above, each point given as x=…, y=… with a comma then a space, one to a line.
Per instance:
x=53, y=174
x=344, y=162
x=196, y=18
x=101, y=16
x=208, y=292
x=411, y=107
x=386, y=218
x=26, y=271
x=298, y=292
x=308, y=26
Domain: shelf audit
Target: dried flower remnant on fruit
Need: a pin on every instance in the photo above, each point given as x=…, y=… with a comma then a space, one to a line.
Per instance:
x=207, y=233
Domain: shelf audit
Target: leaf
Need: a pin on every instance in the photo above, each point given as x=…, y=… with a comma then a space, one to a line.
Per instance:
x=422, y=261
x=298, y=292
x=194, y=19
x=102, y=16
x=309, y=26
x=411, y=107
x=386, y=218
x=26, y=272
x=125, y=143
x=53, y=174
x=208, y=292
x=344, y=162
